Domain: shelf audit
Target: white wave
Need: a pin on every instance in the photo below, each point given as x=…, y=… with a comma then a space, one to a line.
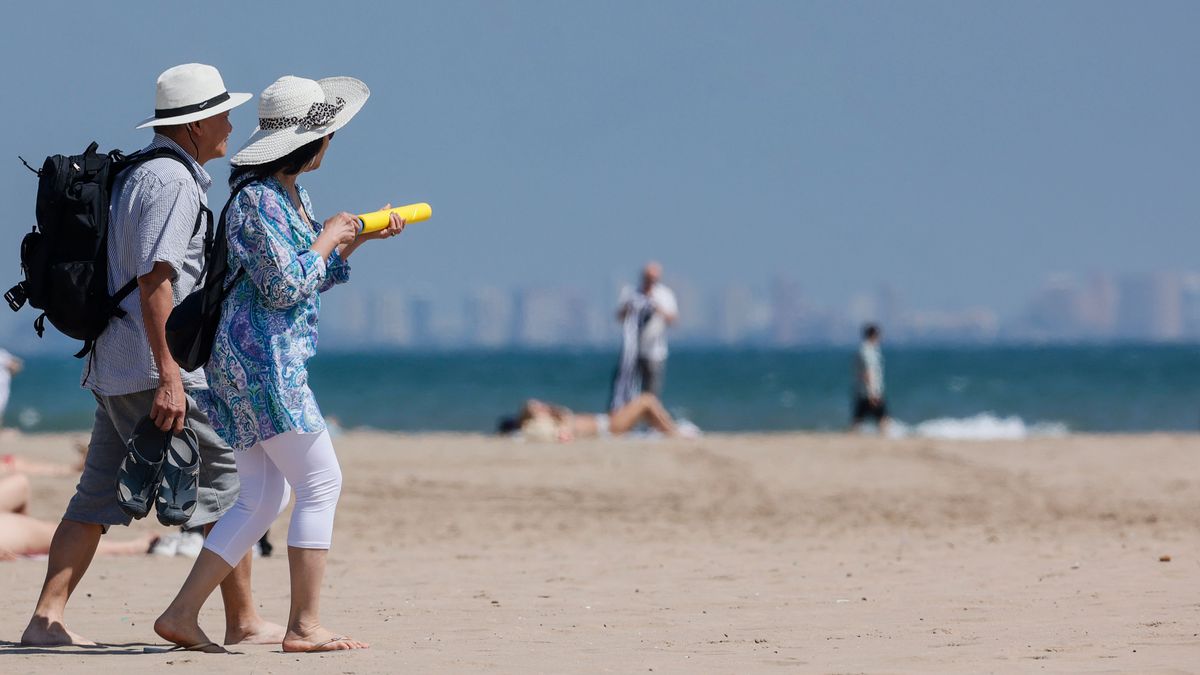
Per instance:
x=29, y=418
x=981, y=427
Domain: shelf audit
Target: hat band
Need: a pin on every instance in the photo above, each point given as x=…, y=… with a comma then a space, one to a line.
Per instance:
x=319, y=114
x=161, y=113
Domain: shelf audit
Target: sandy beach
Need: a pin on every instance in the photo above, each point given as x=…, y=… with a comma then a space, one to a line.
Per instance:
x=727, y=554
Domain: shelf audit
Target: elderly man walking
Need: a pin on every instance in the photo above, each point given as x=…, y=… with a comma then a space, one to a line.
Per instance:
x=156, y=236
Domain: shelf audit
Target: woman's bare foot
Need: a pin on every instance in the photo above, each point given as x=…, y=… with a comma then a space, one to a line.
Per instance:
x=44, y=633
x=264, y=633
x=182, y=631
x=320, y=640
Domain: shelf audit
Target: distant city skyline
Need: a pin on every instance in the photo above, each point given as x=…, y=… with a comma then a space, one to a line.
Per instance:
x=1093, y=307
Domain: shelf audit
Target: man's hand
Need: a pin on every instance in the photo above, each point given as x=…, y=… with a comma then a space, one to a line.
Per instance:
x=170, y=405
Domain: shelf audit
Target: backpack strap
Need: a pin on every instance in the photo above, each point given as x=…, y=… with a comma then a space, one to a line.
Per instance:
x=119, y=297
x=128, y=161
x=204, y=216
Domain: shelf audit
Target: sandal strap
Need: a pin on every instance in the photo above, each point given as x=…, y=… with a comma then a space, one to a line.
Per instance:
x=330, y=641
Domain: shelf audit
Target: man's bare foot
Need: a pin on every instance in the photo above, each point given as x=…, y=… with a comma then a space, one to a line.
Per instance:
x=42, y=632
x=320, y=640
x=180, y=630
x=262, y=633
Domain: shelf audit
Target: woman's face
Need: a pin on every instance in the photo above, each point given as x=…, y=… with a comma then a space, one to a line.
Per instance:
x=316, y=161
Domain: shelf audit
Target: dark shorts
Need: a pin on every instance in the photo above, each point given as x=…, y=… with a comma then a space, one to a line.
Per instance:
x=95, y=499
x=864, y=408
x=653, y=373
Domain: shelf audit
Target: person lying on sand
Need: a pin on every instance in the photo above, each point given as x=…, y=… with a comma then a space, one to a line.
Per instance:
x=543, y=421
x=21, y=535
x=10, y=463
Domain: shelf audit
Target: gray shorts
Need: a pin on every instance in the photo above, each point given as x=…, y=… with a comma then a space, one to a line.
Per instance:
x=95, y=499
x=653, y=373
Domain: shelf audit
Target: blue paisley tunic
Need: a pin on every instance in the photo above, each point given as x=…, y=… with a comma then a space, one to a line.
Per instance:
x=258, y=373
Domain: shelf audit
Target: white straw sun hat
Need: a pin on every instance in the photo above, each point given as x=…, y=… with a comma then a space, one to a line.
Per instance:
x=294, y=111
x=190, y=93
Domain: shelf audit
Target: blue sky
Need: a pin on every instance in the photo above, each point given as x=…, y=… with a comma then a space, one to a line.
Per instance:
x=959, y=150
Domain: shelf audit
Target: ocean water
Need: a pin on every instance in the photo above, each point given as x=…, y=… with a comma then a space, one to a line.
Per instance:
x=1007, y=392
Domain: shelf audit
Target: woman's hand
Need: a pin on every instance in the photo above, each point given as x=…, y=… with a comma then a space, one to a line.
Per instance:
x=337, y=231
x=343, y=227
x=395, y=226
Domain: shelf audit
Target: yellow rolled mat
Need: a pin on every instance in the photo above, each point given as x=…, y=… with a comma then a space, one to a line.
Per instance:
x=377, y=220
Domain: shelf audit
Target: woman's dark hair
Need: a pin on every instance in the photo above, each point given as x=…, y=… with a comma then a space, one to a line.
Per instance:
x=290, y=164
x=508, y=425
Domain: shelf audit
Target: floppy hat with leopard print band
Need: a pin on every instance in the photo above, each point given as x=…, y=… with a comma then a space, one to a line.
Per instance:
x=189, y=93
x=294, y=111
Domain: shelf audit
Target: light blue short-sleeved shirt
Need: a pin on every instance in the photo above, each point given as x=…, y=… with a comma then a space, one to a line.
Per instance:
x=152, y=218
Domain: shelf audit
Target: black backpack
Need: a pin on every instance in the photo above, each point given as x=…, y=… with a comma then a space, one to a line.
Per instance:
x=65, y=258
x=192, y=326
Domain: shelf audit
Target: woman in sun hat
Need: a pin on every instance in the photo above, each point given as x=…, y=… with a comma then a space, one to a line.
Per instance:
x=258, y=397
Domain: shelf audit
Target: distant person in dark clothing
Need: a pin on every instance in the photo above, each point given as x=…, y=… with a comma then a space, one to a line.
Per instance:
x=869, y=398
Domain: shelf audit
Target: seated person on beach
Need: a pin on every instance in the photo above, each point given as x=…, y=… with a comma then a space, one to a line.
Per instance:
x=22, y=535
x=543, y=421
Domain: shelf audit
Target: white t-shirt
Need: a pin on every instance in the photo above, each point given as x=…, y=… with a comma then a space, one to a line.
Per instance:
x=652, y=338
x=869, y=367
x=6, y=360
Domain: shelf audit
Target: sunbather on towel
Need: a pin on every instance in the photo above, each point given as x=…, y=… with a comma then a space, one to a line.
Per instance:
x=543, y=421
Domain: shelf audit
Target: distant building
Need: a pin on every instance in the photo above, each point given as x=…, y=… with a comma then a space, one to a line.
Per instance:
x=1058, y=312
x=548, y=317
x=488, y=318
x=973, y=325
x=790, y=317
x=1101, y=301
x=739, y=315
x=1189, y=309
x=420, y=320
x=391, y=324
x=1150, y=308
x=345, y=316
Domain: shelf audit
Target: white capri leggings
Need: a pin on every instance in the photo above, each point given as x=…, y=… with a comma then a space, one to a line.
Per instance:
x=306, y=462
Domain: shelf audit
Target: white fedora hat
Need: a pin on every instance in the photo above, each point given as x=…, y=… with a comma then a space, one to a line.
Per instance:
x=294, y=111
x=189, y=93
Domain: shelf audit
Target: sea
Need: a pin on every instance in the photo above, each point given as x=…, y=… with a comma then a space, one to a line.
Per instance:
x=945, y=392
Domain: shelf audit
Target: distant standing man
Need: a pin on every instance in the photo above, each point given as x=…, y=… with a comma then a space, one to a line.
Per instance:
x=869, y=398
x=152, y=237
x=654, y=308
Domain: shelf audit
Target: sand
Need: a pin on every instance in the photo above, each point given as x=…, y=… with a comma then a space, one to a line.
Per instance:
x=727, y=554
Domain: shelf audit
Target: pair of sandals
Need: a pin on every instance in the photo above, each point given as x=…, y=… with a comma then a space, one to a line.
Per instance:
x=162, y=469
